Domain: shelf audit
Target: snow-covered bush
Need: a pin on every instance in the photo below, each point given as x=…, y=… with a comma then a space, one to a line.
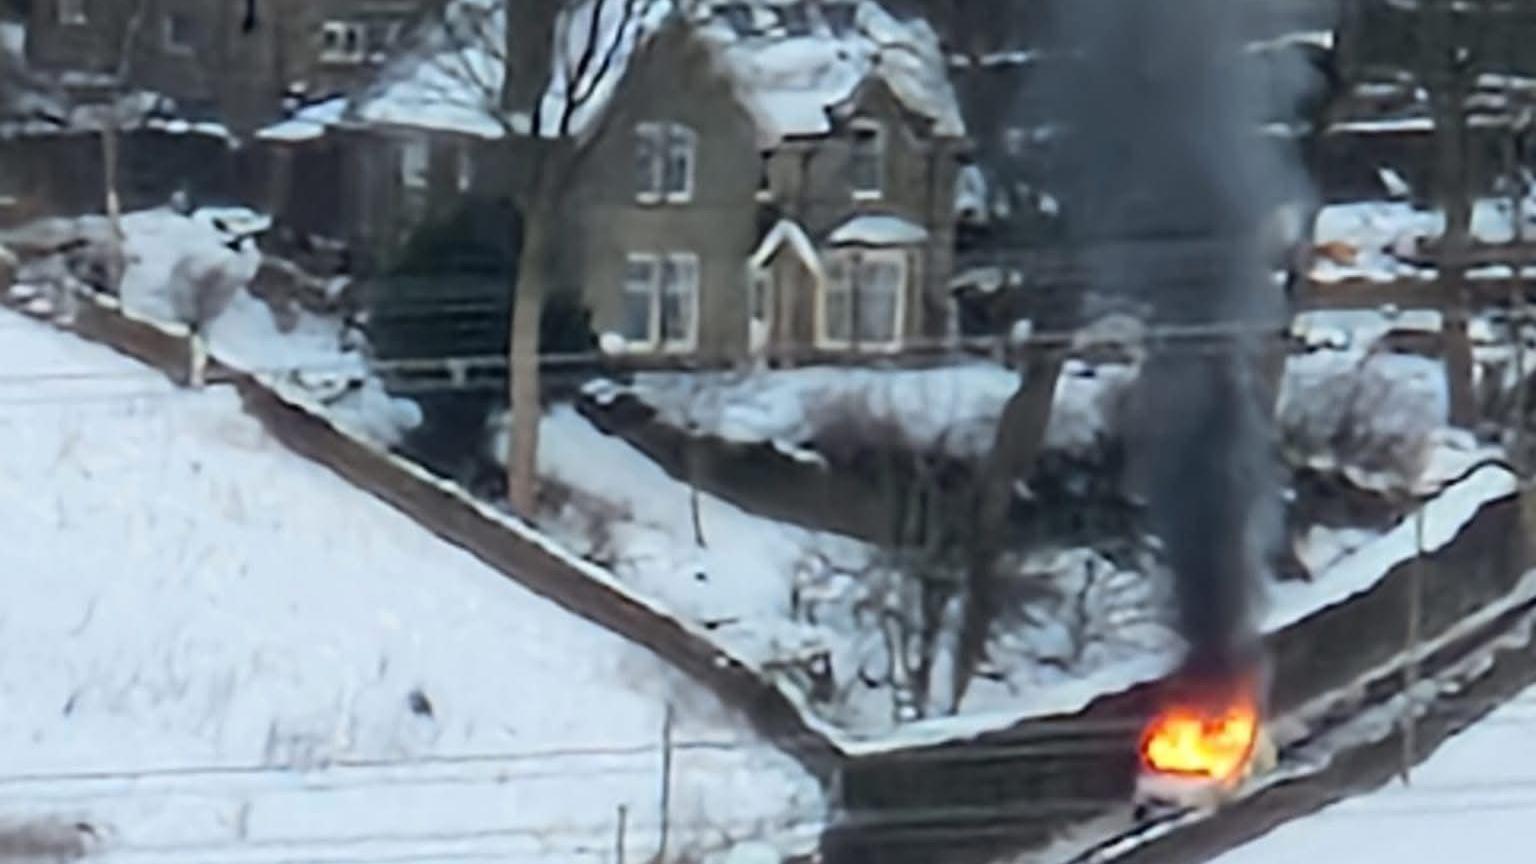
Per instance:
x=1370, y=414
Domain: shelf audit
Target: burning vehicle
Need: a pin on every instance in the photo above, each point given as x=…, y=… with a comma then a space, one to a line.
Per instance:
x=1201, y=745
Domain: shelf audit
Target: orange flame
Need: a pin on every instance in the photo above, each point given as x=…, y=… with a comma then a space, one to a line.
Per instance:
x=1195, y=741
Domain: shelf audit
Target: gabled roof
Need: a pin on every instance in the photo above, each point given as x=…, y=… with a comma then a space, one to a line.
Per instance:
x=791, y=64
x=790, y=72
x=787, y=234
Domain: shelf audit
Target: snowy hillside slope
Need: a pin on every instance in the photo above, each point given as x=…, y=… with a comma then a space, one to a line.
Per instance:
x=1472, y=796
x=213, y=650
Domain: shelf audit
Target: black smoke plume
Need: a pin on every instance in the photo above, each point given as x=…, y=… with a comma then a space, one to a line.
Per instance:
x=1170, y=189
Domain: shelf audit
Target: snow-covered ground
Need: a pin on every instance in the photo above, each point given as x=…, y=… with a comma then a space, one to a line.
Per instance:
x=196, y=270
x=1376, y=417
x=1383, y=241
x=951, y=409
x=213, y=650
x=1470, y=801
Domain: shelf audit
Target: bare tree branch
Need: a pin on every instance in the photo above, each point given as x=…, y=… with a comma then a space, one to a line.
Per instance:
x=613, y=50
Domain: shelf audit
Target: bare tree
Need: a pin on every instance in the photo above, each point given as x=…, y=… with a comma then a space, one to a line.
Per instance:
x=534, y=76
x=111, y=140
x=1447, y=75
x=1019, y=439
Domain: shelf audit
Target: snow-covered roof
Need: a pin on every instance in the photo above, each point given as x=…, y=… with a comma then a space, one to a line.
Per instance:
x=34, y=110
x=790, y=78
x=450, y=81
x=787, y=233
x=1323, y=39
x=307, y=123
x=877, y=230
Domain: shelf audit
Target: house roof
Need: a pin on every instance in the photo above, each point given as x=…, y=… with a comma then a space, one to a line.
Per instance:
x=791, y=74
x=787, y=234
x=790, y=64
x=877, y=230
x=307, y=123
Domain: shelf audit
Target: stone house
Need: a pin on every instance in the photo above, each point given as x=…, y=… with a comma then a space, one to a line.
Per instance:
x=234, y=60
x=770, y=179
x=756, y=178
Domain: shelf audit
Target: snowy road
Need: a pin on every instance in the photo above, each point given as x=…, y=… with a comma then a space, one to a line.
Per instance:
x=215, y=651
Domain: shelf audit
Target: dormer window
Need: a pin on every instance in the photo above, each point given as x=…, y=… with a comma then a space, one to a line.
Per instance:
x=664, y=162
x=866, y=163
x=343, y=42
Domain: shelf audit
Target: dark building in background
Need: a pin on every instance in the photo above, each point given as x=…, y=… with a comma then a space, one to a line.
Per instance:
x=234, y=60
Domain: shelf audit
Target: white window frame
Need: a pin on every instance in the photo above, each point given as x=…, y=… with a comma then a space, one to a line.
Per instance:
x=646, y=341
x=655, y=135
x=654, y=339
x=681, y=262
x=168, y=38
x=339, y=54
x=854, y=261
x=666, y=141
x=861, y=125
x=72, y=13
x=681, y=141
x=415, y=165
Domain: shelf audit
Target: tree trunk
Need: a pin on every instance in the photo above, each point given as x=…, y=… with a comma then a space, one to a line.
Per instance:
x=112, y=201
x=523, y=363
x=1448, y=80
x=1020, y=438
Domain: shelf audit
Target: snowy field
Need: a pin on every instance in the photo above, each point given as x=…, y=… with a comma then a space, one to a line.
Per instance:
x=196, y=269
x=215, y=651
x=1472, y=801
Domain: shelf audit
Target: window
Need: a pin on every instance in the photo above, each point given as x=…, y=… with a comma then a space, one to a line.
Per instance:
x=415, y=160
x=866, y=164
x=664, y=162
x=71, y=11
x=661, y=297
x=863, y=300
x=343, y=42
x=639, y=289
x=682, y=143
x=679, y=299
x=178, y=33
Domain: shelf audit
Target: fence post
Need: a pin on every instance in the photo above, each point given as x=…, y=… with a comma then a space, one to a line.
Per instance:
x=618, y=840
x=1411, y=658
x=666, y=784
